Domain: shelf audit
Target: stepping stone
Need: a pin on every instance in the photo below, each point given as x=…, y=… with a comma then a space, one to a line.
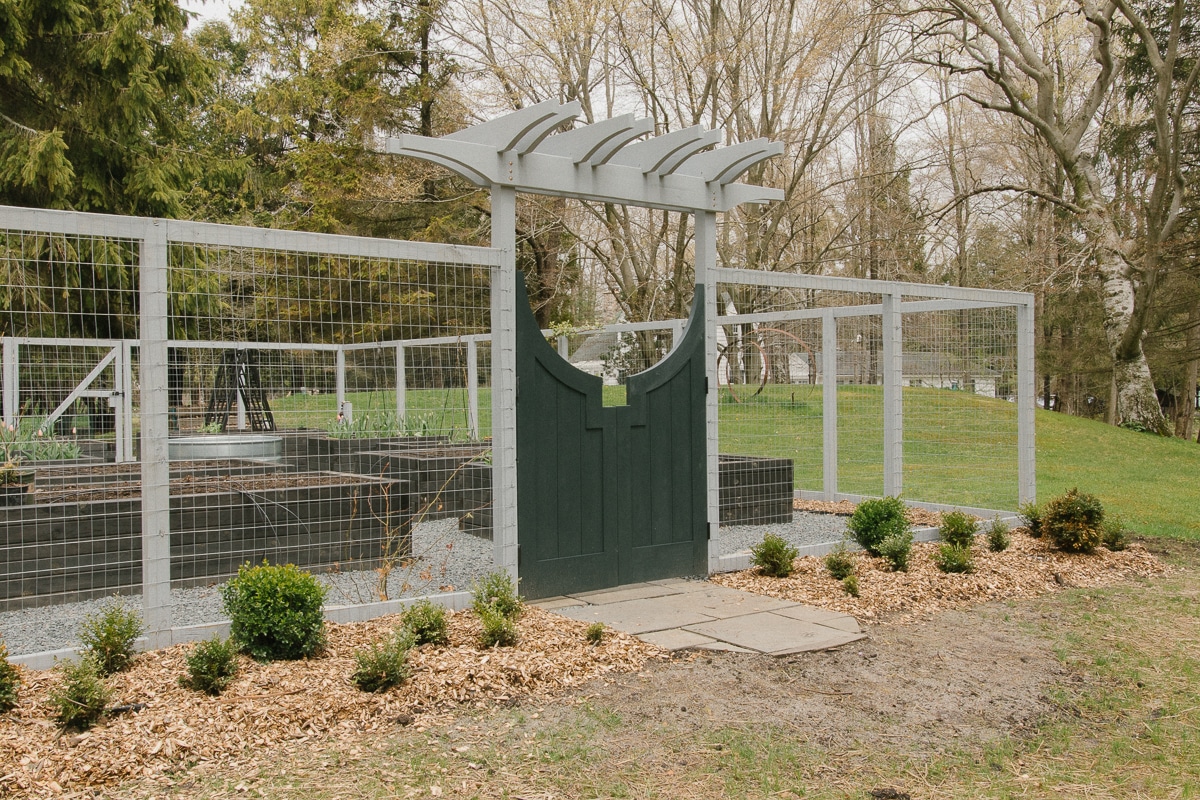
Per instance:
x=639, y=616
x=774, y=634
x=819, y=616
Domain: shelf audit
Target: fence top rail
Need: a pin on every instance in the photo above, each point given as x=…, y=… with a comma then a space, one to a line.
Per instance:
x=865, y=286
x=78, y=223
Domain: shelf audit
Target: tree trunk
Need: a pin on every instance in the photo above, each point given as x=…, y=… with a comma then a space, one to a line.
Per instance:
x=1136, y=401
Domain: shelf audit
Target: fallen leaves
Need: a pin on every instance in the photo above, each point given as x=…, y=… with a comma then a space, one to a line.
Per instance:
x=1030, y=567
x=287, y=701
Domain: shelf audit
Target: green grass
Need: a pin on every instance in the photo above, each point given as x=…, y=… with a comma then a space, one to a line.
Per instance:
x=960, y=448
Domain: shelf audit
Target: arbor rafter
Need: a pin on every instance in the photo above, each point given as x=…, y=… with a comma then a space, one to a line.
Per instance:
x=603, y=161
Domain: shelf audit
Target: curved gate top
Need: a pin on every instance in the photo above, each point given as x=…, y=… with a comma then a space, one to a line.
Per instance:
x=609, y=495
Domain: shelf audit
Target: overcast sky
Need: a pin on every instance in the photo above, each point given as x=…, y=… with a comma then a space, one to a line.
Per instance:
x=213, y=9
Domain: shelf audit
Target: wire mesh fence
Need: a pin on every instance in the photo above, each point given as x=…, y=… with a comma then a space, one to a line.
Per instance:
x=181, y=399
x=868, y=388
x=327, y=405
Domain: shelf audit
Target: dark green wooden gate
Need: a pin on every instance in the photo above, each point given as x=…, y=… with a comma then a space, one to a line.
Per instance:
x=609, y=495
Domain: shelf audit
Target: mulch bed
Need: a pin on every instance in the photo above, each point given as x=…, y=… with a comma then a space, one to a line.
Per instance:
x=268, y=704
x=1029, y=568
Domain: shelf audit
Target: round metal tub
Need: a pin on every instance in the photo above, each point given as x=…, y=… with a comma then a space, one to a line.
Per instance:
x=232, y=445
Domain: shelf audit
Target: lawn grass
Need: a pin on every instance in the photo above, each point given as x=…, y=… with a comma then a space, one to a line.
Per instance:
x=960, y=448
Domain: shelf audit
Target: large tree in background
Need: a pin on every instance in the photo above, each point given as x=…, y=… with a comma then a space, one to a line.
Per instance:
x=92, y=93
x=1056, y=69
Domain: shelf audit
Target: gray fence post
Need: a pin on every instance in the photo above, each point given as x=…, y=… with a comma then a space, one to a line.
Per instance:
x=504, y=383
x=10, y=352
x=706, y=276
x=472, y=389
x=156, y=490
x=401, y=385
x=893, y=398
x=829, y=415
x=1026, y=448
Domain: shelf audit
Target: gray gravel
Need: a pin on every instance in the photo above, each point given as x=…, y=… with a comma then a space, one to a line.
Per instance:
x=804, y=529
x=446, y=560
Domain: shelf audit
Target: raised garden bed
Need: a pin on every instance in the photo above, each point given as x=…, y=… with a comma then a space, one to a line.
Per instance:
x=84, y=541
x=450, y=481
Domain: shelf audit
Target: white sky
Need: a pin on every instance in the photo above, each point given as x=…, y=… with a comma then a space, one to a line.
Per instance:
x=209, y=9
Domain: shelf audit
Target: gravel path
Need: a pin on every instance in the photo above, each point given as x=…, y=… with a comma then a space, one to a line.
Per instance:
x=446, y=560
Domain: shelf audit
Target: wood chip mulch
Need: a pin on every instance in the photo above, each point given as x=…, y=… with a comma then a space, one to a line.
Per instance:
x=844, y=508
x=1029, y=568
x=269, y=704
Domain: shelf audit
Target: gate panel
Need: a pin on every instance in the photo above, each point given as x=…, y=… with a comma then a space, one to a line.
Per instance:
x=613, y=495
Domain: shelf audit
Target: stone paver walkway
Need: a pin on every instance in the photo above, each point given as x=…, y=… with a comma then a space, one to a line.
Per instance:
x=679, y=614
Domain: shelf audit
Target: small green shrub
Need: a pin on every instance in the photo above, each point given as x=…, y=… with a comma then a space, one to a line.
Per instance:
x=108, y=637
x=427, y=622
x=839, y=563
x=10, y=681
x=1032, y=514
x=81, y=699
x=594, y=633
x=1113, y=533
x=774, y=556
x=875, y=520
x=850, y=585
x=1072, y=521
x=958, y=529
x=498, y=629
x=998, y=537
x=954, y=559
x=497, y=593
x=383, y=665
x=275, y=612
x=895, y=549
x=211, y=665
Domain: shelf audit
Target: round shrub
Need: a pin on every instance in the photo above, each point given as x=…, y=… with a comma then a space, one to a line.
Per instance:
x=108, y=637
x=497, y=593
x=211, y=664
x=850, y=585
x=10, y=681
x=875, y=520
x=1032, y=513
x=999, y=539
x=1073, y=521
x=958, y=529
x=1113, y=533
x=895, y=549
x=498, y=630
x=426, y=621
x=275, y=612
x=954, y=559
x=81, y=699
x=594, y=633
x=383, y=665
x=774, y=556
x=839, y=564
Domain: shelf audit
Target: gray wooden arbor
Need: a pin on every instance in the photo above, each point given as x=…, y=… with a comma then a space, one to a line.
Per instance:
x=608, y=162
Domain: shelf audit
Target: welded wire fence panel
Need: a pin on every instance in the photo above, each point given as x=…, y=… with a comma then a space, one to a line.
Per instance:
x=326, y=410
x=960, y=414
x=860, y=405
x=340, y=396
x=70, y=523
